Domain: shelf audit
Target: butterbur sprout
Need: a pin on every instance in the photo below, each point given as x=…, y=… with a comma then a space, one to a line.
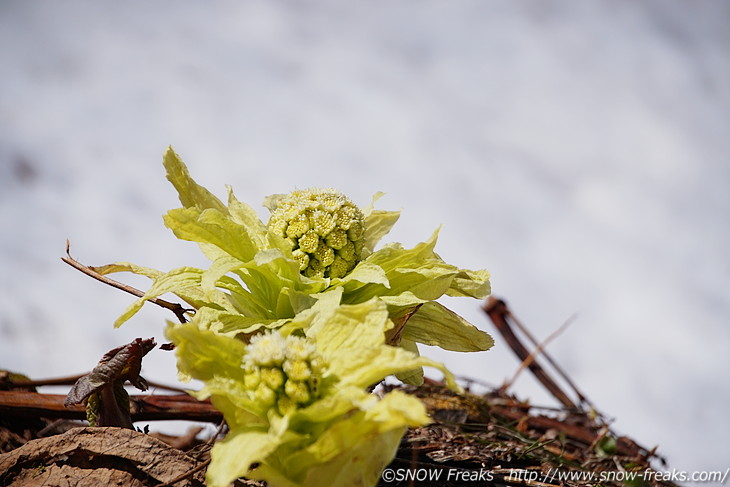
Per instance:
x=316, y=245
x=326, y=230
x=296, y=398
x=282, y=372
x=296, y=319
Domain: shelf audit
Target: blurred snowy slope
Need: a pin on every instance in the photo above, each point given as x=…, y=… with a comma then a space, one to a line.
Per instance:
x=577, y=150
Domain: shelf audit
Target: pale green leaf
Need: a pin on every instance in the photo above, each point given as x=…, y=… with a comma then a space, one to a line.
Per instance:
x=428, y=282
x=219, y=268
x=127, y=267
x=473, y=284
x=203, y=354
x=210, y=226
x=349, y=328
x=191, y=194
x=370, y=366
x=352, y=341
x=271, y=202
x=232, y=457
x=377, y=225
x=364, y=273
x=367, y=210
x=216, y=360
x=232, y=324
x=418, y=270
x=354, y=451
x=247, y=217
x=402, y=300
x=331, y=406
x=176, y=281
x=193, y=295
x=414, y=376
x=435, y=325
x=299, y=301
x=394, y=256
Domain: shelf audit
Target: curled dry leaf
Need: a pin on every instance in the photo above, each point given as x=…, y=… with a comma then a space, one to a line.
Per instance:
x=107, y=403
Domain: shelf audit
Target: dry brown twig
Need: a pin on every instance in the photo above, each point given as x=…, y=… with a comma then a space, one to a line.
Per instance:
x=90, y=271
x=499, y=313
x=581, y=397
x=538, y=350
x=71, y=379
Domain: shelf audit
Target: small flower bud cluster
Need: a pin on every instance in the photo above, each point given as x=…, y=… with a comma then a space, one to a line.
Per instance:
x=282, y=373
x=325, y=228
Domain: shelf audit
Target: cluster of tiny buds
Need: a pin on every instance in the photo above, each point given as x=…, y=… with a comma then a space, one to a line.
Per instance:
x=325, y=229
x=282, y=372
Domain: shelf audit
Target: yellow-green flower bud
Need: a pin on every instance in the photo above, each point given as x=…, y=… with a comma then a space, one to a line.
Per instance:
x=274, y=378
x=337, y=239
x=324, y=253
x=264, y=395
x=297, y=369
x=347, y=252
x=308, y=242
x=252, y=379
x=301, y=257
x=297, y=391
x=325, y=228
x=298, y=226
x=282, y=372
x=286, y=405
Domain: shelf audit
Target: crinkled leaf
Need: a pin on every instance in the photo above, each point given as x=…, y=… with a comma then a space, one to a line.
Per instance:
x=472, y=284
x=216, y=360
x=211, y=226
x=204, y=354
x=127, y=267
x=352, y=451
x=120, y=364
x=404, y=299
x=372, y=365
x=377, y=225
x=414, y=376
x=193, y=295
x=363, y=273
x=176, y=281
x=418, y=271
x=191, y=194
x=433, y=324
x=353, y=342
x=350, y=327
x=244, y=215
x=332, y=406
x=271, y=202
x=107, y=401
x=232, y=324
x=232, y=457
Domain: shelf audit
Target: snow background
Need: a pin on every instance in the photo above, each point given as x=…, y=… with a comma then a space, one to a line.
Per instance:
x=577, y=150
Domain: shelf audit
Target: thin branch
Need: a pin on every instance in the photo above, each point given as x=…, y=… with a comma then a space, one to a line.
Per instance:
x=71, y=380
x=498, y=312
x=176, y=308
x=15, y=404
x=581, y=397
x=540, y=347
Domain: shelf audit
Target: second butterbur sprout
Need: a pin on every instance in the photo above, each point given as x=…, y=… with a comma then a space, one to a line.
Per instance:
x=325, y=229
x=283, y=373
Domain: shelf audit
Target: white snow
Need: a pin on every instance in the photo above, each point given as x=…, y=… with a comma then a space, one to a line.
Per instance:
x=577, y=150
